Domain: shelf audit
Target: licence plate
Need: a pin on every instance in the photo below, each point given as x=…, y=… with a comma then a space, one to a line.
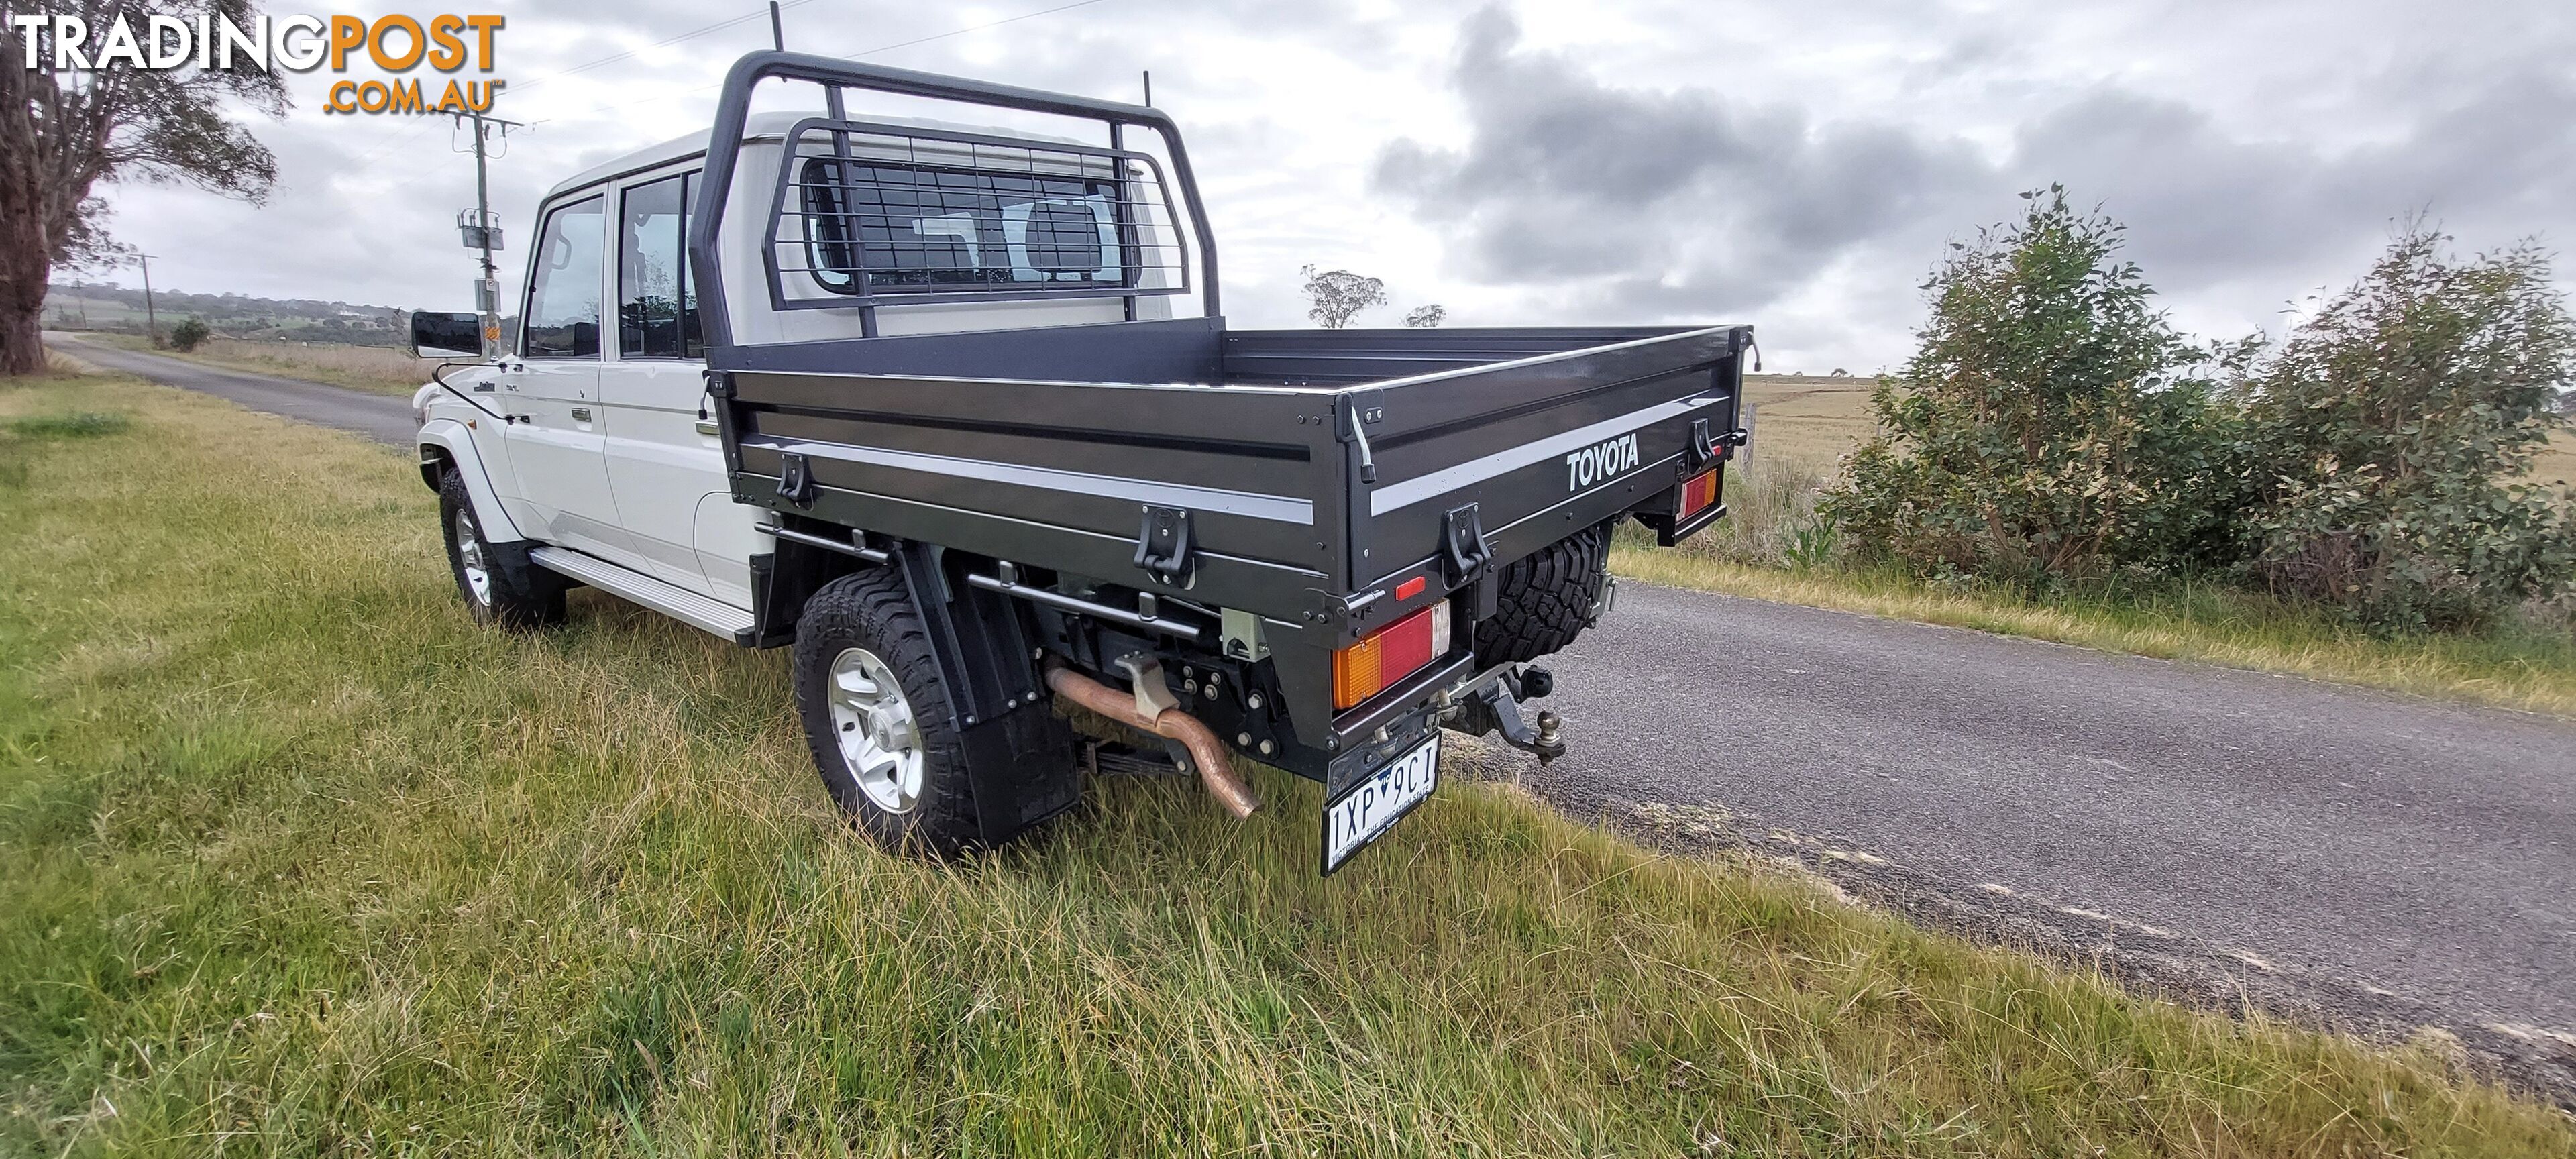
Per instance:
x=1379, y=801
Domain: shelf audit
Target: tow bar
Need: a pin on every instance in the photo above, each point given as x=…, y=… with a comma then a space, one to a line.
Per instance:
x=1493, y=704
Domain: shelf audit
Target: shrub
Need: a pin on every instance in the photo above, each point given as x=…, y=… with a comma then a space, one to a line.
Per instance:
x=2045, y=427
x=188, y=335
x=2386, y=428
x=1771, y=516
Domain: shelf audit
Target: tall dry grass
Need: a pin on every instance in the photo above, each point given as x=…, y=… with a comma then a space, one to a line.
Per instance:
x=375, y=369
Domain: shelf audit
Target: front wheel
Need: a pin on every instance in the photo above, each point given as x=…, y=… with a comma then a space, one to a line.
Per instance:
x=876, y=715
x=498, y=583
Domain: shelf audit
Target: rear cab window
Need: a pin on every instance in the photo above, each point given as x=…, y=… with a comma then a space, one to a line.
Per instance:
x=929, y=227
x=657, y=310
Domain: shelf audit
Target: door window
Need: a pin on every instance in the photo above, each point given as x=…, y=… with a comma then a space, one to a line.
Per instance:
x=563, y=295
x=657, y=309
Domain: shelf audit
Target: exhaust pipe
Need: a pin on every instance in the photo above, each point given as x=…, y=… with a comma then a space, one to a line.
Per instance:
x=1216, y=766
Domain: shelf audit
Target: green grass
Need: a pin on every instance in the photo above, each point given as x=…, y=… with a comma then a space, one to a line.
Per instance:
x=295, y=860
x=71, y=425
x=2529, y=664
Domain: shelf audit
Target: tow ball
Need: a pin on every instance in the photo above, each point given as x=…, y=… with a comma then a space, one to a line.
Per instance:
x=1498, y=703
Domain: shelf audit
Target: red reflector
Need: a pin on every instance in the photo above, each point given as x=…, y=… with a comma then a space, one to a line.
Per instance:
x=1410, y=588
x=1699, y=492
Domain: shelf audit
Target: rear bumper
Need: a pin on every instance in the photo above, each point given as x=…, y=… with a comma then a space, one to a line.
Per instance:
x=1367, y=740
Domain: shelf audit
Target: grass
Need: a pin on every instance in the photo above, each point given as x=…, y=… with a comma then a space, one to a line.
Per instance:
x=293, y=859
x=374, y=369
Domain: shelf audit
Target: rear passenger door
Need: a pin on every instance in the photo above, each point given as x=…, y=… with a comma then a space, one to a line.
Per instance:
x=665, y=462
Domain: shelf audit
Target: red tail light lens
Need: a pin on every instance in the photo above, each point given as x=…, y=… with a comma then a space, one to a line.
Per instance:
x=1699, y=492
x=1390, y=654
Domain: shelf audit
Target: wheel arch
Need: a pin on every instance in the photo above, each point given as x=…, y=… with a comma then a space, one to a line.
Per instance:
x=445, y=444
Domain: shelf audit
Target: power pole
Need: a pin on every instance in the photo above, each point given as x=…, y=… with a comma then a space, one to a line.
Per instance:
x=151, y=322
x=485, y=234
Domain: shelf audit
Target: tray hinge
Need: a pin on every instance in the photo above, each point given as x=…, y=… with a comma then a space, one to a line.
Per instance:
x=1164, y=547
x=1464, y=553
x=795, y=479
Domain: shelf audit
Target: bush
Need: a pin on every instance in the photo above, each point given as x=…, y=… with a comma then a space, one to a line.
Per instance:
x=1771, y=518
x=2386, y=428
x=189, y=335
x=2045, y=427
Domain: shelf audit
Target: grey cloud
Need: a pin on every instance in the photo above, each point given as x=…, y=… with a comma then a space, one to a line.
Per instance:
x=1627, y=203
x=1665, y=200
x=2490, y=161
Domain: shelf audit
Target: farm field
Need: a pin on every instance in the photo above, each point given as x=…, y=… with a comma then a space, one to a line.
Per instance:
x=330, y=869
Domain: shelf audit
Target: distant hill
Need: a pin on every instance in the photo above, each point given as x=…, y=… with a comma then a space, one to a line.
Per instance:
x=78, y=305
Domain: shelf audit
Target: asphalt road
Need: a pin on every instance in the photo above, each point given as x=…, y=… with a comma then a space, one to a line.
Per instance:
x=383, y=418
x=2410, y=849
x=2412, y=846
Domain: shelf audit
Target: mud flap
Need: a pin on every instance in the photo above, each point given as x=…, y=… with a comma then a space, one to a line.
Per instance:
x=1019, y=754
x=1024, y=769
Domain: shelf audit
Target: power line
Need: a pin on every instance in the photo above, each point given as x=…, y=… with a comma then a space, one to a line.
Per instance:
x=977, y=28
x=629, y=54
x=852, y=55
x=694, y=33
x=762, y=11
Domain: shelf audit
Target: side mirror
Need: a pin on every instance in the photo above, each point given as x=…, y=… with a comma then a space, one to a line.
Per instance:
x=435, y=335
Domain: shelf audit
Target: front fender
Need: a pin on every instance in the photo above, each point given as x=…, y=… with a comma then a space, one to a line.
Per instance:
x=448, y=438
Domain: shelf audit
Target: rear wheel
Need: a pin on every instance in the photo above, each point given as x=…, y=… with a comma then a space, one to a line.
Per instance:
x=1546, y=598
x=876, y=715
x=498, y=583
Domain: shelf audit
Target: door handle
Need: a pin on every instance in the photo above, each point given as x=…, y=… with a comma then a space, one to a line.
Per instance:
x=581, y=414
x=709, y=427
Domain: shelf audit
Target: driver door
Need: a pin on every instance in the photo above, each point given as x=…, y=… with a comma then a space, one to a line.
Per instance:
x=556, y=430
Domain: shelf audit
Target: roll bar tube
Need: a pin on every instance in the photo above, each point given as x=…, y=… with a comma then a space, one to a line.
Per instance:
x=733, y=113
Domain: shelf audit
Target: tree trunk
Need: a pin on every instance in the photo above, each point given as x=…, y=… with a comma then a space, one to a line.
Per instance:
x=24, y=266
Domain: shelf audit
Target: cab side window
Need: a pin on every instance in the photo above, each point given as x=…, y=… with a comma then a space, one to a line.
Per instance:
x=563, y=296
x=657, y=309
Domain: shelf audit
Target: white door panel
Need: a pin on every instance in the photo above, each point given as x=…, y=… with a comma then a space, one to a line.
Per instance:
x=728, y=536
x=555, y=442
x=659, y=463
x=659, y=460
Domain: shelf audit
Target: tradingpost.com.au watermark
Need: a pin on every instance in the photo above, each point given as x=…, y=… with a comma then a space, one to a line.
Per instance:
x=397, y=44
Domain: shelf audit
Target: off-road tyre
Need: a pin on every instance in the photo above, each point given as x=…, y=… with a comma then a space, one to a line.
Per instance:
x=513, y=593
x=873, y=611
x=1543, y=599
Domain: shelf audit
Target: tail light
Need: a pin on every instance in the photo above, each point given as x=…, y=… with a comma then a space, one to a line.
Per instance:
x=1698, y=492
x=1390, y=654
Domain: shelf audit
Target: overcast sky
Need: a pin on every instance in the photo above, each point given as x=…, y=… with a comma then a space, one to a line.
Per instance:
x=1799, y=166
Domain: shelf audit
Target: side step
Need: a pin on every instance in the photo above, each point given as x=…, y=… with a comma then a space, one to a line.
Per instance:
x=679, y=603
